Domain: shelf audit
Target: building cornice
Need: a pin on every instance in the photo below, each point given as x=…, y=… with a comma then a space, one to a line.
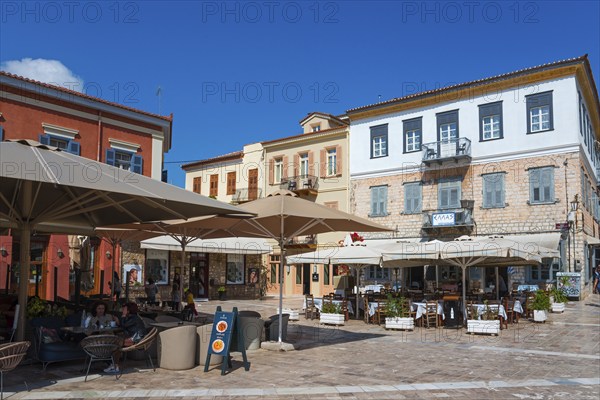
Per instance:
x=306, y=137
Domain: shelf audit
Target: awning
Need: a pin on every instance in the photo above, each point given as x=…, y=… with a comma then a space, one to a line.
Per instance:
x=232, y=245
x=592, y=241
x=546, y=240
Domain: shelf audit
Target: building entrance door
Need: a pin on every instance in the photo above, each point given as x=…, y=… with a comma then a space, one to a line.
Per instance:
x=305, y=279
x=253, y=184
x=199, y=274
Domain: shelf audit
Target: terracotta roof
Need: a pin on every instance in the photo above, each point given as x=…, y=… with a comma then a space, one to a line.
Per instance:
x=478, y=82
x=303, y=135
x=224, y=157
x=85, y=96
x=324, y=114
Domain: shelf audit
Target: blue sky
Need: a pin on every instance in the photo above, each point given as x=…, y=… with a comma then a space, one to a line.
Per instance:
x=234, y=73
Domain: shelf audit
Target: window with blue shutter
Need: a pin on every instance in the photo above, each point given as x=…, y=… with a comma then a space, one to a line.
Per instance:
x=44, y=139
x=449, y=191
x=493, y=190
x=541, y=185
x=136, y=164
x=1, y=133
x=379, y=201
x=412, y=198
x=73, y=147
x=110, y=156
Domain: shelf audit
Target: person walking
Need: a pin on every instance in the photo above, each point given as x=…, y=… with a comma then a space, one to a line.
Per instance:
x=116, y=286
x=151, y=291
x=597, y=280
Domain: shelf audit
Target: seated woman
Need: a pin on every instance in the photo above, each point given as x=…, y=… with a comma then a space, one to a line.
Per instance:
x=134, y=330
x=99, y=317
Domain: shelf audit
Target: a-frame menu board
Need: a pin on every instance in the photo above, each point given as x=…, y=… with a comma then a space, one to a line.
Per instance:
x=225, y=325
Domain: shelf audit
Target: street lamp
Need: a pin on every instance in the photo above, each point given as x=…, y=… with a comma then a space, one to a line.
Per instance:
x=572, y=219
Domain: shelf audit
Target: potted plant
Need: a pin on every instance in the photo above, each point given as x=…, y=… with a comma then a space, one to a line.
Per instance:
x=331, y=314
x=485, y=322
x=541, y=304
x=559, y=300
x=222, y=290
x=395, y=314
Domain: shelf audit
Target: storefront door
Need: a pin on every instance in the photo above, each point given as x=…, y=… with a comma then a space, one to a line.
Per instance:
x=199, y=274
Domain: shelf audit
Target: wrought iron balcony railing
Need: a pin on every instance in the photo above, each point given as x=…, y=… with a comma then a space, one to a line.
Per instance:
x=245, y=195
x=453, y=149
x=299, y=183
x=452, y=218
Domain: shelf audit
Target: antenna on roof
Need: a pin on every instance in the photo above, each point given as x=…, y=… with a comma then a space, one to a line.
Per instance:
x=159, y=95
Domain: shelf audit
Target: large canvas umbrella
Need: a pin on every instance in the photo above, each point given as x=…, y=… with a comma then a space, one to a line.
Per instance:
x=282, y=216
x=45, y=189
x=467, y=252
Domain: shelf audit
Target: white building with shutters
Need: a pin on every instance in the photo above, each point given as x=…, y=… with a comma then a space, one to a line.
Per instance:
x=506, y=155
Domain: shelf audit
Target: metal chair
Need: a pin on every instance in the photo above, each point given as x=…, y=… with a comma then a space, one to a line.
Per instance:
x=143, y=345
x=100, y=348
x=11, y=354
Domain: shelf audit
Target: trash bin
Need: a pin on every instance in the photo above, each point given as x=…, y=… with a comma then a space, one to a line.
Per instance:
x=451, y=312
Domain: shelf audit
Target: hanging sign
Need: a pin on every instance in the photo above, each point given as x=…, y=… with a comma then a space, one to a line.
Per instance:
x=443, y=219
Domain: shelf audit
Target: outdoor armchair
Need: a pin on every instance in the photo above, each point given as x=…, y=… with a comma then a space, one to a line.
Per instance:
x=100, y=348
x=143, y=345
x=177, y=348
x=11, y=355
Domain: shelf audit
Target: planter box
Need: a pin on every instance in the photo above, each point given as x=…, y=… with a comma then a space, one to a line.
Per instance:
x=491, y=327
x=558, y=307
x=333, y=319
x=294, y=314
x=400, y=323
x=539, y=316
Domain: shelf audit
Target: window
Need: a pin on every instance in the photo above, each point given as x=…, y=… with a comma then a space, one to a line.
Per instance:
x=493, y=190
x=231, y=182
x=64, y=144
x=490, y=121
x=412, y=198
x=376, y=272
x=299, y=274
x=539, y=112
x=449, y=193
x=581, y=114
x=545, y=272
x=447, y=126
x=124, y=160
x=412, y=135
x=379, y=201
x=316, y=128
x=214, y=185
x=541, y=185
x=331, y=162
x=379, y=141
x=278, y=170
x=235, y=268
x=326, y=274
x=303, y=164
x=196, y=185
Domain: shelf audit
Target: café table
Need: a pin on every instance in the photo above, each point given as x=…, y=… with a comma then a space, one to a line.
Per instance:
x=528, y=288
x=76, y=330
x=498, y=308
x=161, y=326
x=421, y=307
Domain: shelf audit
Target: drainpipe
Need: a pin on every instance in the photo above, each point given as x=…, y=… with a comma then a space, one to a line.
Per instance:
x=98, y=156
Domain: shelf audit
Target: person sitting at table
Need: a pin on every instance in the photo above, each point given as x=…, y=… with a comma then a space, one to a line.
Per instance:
x=99, y=317
x=134, y=330
x=175, y=297
x=151, y=291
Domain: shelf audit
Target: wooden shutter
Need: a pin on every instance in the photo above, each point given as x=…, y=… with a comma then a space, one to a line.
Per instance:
x=231, y=178
x=311, y=163
x=296, y=164
x=284, y=173
x=271, y=171
x=73, y=147
x=1, y=133
x=323, y=168
x=338, y=160
x=196, y=185
x=136, y=164
x=45, y=139
x=214, y=185
x=110, y=156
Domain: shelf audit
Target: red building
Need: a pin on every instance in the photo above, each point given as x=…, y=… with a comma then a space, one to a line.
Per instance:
x=87, y=126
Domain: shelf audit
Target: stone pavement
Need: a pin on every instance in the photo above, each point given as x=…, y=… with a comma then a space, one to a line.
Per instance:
x=557, y=359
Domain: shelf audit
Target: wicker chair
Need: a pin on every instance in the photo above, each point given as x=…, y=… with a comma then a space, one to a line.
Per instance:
x=100, y=348
x=143, y=345
x=11, y=355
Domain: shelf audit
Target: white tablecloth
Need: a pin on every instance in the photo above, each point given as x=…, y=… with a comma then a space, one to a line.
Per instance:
x=517, y=307
x=319, y=304
x=531, y=288
x=420, y=308
x=499, y=308
x=374, y=288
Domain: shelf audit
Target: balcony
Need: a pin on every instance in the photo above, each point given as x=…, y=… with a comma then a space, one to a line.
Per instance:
x=245, y=195
x=303, y=242
x=303, y=185
x=446, y=150
x=456, y=218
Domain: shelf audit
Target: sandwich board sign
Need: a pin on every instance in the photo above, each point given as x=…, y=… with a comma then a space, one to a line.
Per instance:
x=225, y=325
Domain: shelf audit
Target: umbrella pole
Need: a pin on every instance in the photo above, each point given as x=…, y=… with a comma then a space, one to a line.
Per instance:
x=497, y=287
x=356, y=315
x=23, y=277
x=464, y=293
x=281, y=274
x=183, y=240
x=112, y=271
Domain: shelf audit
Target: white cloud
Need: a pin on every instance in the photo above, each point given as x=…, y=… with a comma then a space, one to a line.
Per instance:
x=48, y=71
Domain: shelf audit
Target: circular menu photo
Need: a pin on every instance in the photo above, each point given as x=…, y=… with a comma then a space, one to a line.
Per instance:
x=218, y=346
x=221, y=326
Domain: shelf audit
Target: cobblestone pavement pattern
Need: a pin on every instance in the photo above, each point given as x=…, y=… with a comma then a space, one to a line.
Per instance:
x=556, y=359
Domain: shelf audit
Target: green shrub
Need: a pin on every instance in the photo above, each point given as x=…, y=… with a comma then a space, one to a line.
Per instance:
x=541, y=301
x=330, y=308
